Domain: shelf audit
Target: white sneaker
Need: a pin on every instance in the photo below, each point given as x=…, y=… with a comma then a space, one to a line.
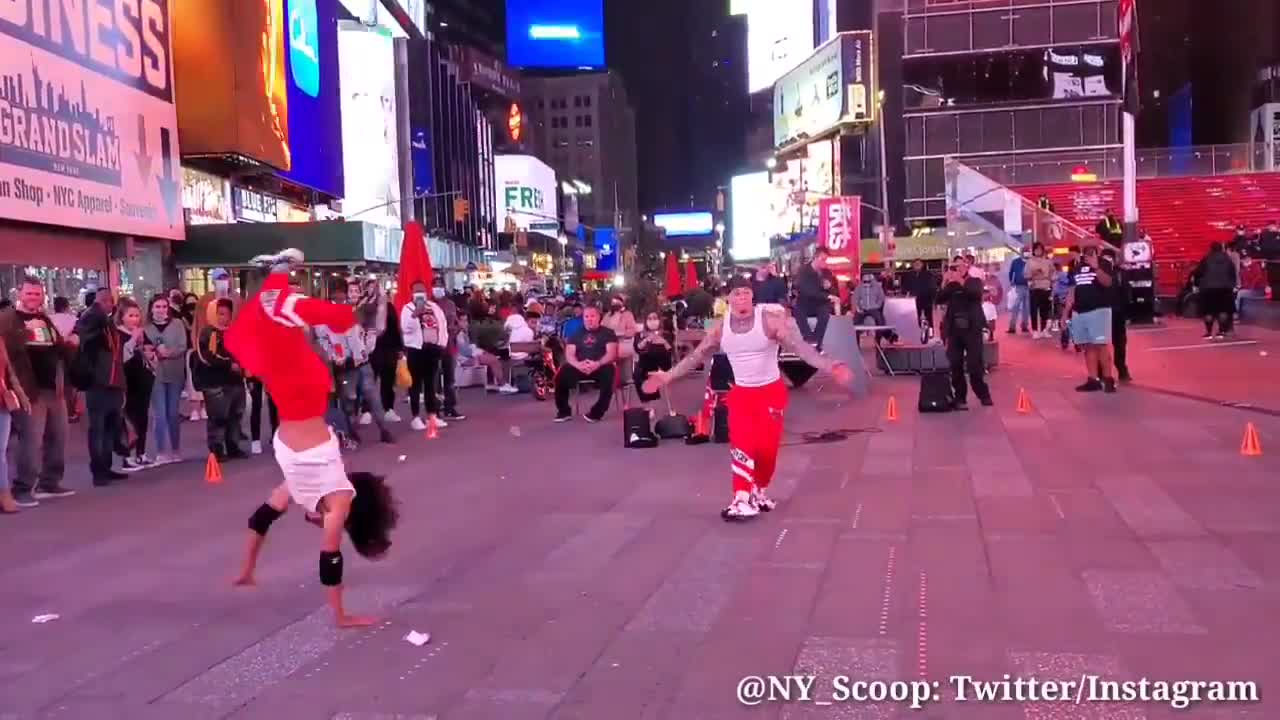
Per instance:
x=418, y=424
x=391, y=416
x=255, y=447
x=204, y=414
x=508, y=390
x=195, y=416
x=762, y=500
x=440, y=424
x=366, y=419
x=741, y=507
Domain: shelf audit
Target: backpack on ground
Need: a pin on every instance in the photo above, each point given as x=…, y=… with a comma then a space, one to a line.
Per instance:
x=636, y=431
x=935, y=393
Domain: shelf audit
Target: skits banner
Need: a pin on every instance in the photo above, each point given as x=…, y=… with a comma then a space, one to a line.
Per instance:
x=88, y=132
x=839, y=232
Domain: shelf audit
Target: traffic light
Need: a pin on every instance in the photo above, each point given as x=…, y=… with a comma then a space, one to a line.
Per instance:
x=461, y=209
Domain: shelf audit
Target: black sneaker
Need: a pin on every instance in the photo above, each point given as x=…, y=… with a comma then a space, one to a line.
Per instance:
x=1108, y=385
x=51, y=492
x=960, y=405
x=24, y=499
x=113, y=475
x=386, y=437
x=1125, y=377
x=128, y=465
x=588, y=417
x=564, y=417
x=986, y=402
x=1207, y=336
x=452, y=415
x=1090, y=385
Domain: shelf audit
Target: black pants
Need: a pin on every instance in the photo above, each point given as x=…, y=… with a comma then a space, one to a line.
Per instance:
x=647, y=363
x=424, y=366
x=1120, y=339
x=877, y=317
x=964, y=354
x=137, y=411
x=569, y=378
x=1041, y=308
x=256, y=391
x=448, y=383
x=225, y=405
x=1273, y=278
x=105, y=407
x=819, y=331
x=1217, y=304
x=385, y=369
x=924, y=310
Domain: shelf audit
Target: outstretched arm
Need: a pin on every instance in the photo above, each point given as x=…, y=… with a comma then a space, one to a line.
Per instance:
x=782, y=328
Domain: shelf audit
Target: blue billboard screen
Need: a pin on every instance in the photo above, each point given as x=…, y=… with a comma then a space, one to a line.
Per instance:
x=315, y=117
x=555, y=33
x=685, y=224
x=606, y=250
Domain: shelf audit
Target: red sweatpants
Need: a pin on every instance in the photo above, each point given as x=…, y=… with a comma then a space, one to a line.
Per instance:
x=755, y=432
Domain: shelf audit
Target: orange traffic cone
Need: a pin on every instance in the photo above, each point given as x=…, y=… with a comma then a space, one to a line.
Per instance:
x=1250, y=445
x=432, y=431
x=1024, y=402
x=213, y=470
x=892, y=413
x=700, y=425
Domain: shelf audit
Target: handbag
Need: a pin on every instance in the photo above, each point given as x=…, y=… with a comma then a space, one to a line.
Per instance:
x=404, y=378
x=673, y=426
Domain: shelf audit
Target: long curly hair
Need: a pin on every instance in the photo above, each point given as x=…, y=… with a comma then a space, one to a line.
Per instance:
x=374, y=514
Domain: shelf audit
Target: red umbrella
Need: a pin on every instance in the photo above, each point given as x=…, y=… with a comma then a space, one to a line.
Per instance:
x=673, y=277
x=415, y=264
x=690, y=276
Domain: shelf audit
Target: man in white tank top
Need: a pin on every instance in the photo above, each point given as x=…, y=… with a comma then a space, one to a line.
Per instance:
x=750, y=336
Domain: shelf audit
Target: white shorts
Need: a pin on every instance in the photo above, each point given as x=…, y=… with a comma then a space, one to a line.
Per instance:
x=312, y=474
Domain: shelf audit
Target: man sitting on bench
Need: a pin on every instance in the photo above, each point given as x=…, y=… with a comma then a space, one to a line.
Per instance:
x=868, y=302
x=589, y=355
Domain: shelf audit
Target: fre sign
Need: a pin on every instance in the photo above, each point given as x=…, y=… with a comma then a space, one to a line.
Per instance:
x=839, y=223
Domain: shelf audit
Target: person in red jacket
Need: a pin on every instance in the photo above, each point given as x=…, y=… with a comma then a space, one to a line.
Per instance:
x=269, y=340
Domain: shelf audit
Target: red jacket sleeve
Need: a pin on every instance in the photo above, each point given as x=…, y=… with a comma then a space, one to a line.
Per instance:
x=302, y=310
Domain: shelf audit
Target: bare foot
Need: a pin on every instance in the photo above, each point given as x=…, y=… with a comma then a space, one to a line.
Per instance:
x=356, y=621
x=245, y=580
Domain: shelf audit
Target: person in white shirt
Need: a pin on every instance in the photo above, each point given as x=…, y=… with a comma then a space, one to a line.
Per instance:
x=425, y=333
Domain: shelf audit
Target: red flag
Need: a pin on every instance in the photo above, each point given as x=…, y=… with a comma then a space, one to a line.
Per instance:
x=1127, y=17
x=690, y=277
x=673, y=277
x=415, y=265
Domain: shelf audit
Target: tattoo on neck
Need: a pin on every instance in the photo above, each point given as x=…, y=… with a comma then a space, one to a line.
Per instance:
x=742, y=324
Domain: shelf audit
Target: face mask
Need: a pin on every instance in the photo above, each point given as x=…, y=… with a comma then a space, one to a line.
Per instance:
x=438, y=292
x=420, y=297
x=191, y=307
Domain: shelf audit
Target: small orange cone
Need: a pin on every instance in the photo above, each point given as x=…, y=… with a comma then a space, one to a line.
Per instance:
x=1250, y=445
x=700, y=428
x=213, y=470
x=892, y=413
x=432, y=431
x=1024, y=402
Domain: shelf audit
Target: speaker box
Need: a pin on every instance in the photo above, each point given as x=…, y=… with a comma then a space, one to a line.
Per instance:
x=636, y=431
x=796, y=371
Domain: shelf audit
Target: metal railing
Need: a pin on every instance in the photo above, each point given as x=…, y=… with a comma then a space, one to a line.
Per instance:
x=1107, y=164
x=1008, y=216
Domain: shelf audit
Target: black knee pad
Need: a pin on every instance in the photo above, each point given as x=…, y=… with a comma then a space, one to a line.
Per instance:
x=261, y=519
x=330, y=568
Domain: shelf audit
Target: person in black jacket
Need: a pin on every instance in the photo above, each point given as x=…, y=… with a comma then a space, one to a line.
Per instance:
x=962, y=328
x=1120, y=296
x=100, y=372
x=813, y=299
x=768, y=288
x=1215, y=278
x=218, y=376
x=377, y=314
x=923, y=286
x=139, y=372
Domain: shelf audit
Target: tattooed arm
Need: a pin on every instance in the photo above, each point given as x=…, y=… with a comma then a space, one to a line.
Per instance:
x=781, y=327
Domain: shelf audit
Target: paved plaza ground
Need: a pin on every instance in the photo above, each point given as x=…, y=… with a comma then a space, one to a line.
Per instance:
x=561, y=576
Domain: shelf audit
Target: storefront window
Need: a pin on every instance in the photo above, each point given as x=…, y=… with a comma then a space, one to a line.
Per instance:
x=70, y=283
x=142, y=276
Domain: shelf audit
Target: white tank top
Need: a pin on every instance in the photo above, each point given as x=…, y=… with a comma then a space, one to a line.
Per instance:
x=752, y=355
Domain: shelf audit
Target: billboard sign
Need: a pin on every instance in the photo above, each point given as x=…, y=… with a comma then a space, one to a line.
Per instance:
x=315, y=108
x=840, y=231
x=555, y=33
x=831, y=88
x=489, y=73
x=779, y=36
x=526, y=192
x=749, y=216
x=253, y=206
x=88, y=130
x=370, y=150
x=206, y=199
x=687, y=224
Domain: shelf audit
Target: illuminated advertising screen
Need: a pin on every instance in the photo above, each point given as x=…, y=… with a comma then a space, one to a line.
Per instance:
x=231, y=82
x=526, y=192
x=798, y=187
x=779, y=36
x=370, y=149
x=88, y=131
x=315, y=108
x=829, y=88
x=688, y=224
x=555, y=33
x=749, y=216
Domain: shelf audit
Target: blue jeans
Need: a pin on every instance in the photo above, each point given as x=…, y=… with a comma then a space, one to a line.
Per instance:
x=167, y=424
x=1021, y=313
x=4, y=448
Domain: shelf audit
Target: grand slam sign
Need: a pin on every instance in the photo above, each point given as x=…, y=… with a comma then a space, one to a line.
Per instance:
x=88, y=130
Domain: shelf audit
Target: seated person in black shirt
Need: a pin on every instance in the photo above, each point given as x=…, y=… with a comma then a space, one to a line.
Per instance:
x=653, y=352
x=589, y=355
